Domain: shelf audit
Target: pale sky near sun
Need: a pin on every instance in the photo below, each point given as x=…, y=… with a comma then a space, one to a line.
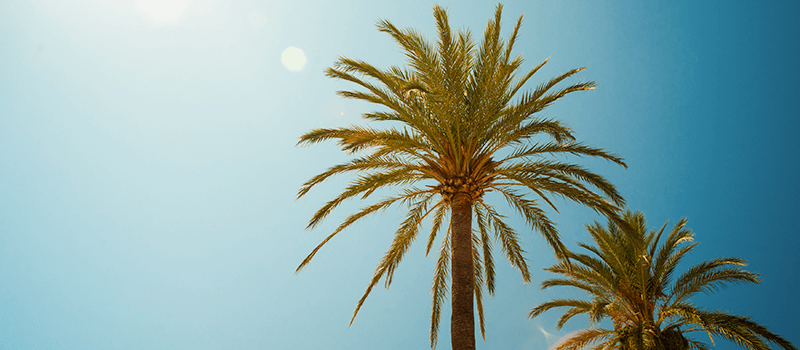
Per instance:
x=148, y=168
x=162, y=13
x=169, y=12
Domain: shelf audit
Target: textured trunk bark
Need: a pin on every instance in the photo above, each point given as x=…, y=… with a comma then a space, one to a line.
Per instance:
x=462, y=320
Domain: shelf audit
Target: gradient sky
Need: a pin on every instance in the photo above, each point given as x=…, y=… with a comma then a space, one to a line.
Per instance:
x=148, y=170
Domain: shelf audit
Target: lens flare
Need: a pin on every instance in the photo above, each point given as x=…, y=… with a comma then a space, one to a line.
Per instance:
x=293, y=59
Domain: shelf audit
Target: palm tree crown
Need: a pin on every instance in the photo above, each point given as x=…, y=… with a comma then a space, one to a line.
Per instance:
x=458, y=128
x=629, y=277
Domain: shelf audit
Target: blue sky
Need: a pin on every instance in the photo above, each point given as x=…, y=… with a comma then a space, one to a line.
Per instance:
x=149, y=171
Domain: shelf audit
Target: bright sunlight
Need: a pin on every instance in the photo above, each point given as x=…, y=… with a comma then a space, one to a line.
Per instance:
x=162, y=12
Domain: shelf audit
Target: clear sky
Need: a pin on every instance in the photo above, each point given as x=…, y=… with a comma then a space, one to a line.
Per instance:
x=148, y=170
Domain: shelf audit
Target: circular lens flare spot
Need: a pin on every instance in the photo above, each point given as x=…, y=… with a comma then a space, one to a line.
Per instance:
x=293, y=59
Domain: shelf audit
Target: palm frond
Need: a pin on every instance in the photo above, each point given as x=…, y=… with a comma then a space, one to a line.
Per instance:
x=364, y=185
x=477, y=265
x=438, y=218
x=439, y=289
x=581, y=339
x=486, y=245
x=710, y=275
x=382, y=205
x=573, y=306
x=536, y=219
x=404, y=236
x=509, y=240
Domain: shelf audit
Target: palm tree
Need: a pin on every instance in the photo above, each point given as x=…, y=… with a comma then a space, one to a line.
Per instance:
x=458, y=128
x=629, y=278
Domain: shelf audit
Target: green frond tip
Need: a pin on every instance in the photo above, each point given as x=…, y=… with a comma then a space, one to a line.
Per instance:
x=463, y=121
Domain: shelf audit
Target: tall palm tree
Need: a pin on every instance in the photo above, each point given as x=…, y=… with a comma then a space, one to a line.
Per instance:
x=629, y=278
x=458, y=128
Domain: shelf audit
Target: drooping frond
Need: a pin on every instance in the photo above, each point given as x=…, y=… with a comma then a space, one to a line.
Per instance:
x=382, y=205
x=583, y=338
x=439, y=289
x=403, y=238
x=486, y=245
x=536, y=219
x=364, y=185
x=738, y=329
x=559, y=180
x=574, y=307
x=478, y=286
x=509, y=240
x=438, y=219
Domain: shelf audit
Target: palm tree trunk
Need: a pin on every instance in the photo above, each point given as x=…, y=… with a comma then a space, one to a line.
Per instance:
x=462, y=320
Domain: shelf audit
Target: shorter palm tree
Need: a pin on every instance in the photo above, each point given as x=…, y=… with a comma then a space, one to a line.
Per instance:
x=629, y=278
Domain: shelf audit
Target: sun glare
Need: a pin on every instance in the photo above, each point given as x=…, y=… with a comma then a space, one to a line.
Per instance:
x=162, y=12
x=293, y=58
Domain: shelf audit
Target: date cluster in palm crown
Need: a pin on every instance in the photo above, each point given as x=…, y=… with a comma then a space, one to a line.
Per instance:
x=474, y=188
